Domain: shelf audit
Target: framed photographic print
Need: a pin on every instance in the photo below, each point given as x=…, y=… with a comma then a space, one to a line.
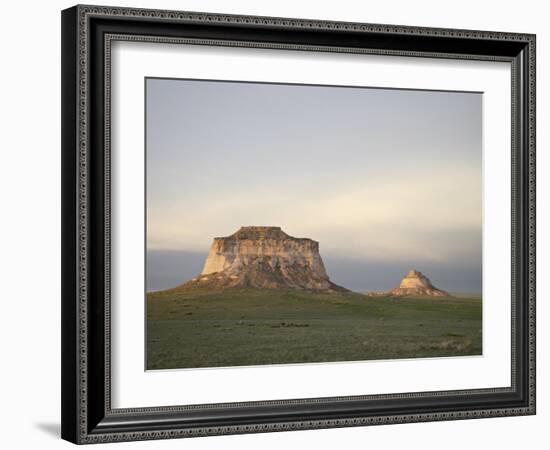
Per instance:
x=268, y=222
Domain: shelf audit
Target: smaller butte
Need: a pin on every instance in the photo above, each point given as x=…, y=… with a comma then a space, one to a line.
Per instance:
x=415, y=283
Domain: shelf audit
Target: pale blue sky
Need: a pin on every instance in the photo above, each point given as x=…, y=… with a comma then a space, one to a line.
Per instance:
x=381, y=178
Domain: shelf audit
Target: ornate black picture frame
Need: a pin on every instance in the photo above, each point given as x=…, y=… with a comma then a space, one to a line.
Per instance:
x=87, y=33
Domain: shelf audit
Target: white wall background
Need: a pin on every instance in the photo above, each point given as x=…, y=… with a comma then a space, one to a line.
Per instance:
x=30, y=223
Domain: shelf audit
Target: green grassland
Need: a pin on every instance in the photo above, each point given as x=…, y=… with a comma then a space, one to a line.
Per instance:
x=238, y=327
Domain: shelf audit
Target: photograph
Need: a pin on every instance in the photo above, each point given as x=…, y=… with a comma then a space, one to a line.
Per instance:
x=287, y=219
x=298, y=223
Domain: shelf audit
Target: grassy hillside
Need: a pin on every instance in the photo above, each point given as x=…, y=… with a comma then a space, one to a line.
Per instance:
x=194, y=328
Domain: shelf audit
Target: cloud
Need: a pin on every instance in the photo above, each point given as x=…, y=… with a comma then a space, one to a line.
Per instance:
x=433, y=214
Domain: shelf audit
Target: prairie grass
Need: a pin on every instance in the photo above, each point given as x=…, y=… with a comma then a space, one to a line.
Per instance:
x=240, y=327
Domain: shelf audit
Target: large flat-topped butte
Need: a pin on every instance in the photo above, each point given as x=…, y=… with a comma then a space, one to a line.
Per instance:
x=265, y=257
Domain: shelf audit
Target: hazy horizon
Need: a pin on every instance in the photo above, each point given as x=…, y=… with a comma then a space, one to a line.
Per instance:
x=170, y=268
x=385, y=180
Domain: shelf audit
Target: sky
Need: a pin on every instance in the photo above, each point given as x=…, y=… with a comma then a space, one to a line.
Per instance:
x=385, y=180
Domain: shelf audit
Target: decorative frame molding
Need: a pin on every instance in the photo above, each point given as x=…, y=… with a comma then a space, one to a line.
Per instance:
x=88, y=31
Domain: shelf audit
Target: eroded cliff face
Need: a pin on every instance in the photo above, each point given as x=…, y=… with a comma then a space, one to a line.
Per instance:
x=264, y=257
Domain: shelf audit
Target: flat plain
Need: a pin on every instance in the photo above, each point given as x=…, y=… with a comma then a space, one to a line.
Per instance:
x=189, y=328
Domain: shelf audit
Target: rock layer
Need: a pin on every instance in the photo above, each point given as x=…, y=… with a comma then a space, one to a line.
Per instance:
x=264, y=257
